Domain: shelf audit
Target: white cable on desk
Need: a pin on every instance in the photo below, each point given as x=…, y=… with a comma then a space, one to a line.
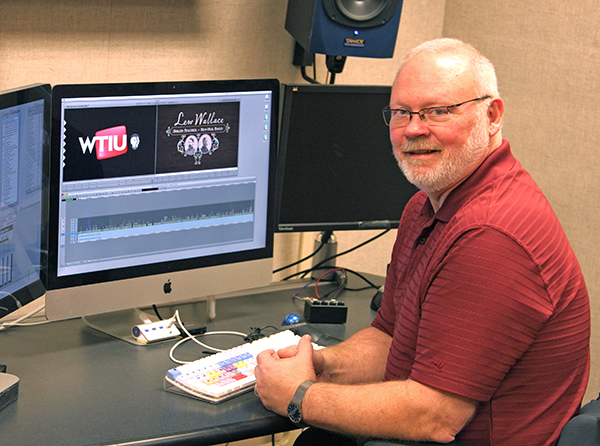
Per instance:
x=16, y=322
x=177, y=318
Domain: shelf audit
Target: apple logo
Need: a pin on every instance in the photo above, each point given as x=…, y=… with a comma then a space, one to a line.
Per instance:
x=167, y=287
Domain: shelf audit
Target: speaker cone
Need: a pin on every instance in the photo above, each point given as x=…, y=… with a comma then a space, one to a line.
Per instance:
x=361, y=13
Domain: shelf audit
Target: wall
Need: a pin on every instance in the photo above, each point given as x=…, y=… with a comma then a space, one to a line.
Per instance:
x=72, y=41
x=546, y=57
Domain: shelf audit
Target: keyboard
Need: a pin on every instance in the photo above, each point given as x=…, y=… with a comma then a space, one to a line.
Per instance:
x=223, y=375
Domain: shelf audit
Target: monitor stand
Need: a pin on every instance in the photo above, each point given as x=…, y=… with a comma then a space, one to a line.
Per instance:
x=326, y=243
x=118, y=324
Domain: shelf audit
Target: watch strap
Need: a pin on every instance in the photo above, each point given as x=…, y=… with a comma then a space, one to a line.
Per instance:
x=299, y=396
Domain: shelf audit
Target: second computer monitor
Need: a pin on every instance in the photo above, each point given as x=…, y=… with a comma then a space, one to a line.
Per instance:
x=160, y=192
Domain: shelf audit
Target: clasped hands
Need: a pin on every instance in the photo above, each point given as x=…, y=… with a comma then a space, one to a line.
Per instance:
x=279, y=373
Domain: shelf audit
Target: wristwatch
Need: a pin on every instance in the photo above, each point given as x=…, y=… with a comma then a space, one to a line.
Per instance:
x=294, y=409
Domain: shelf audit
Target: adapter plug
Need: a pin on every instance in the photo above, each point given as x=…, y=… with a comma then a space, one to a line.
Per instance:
x=341, y=277
x=197, y=331
x=255, y=333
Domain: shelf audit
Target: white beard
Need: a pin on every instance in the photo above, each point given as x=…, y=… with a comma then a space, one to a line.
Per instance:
x=451, y=166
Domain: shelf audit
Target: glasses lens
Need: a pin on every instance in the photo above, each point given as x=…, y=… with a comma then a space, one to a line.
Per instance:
x=387, y=115
x=437, y=114
x=384, y=113
x=396, y=117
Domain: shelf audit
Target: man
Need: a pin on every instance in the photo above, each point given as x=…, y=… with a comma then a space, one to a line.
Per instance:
x=483, y=333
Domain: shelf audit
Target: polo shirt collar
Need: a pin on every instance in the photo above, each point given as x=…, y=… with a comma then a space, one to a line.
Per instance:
x=496, y=164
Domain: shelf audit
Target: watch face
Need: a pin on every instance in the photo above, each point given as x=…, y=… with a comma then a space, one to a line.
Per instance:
x=294, y=413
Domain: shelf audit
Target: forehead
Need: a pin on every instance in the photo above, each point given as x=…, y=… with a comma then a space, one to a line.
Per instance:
x=433, y=79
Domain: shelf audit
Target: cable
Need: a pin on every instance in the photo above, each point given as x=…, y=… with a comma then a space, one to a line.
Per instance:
x=16, y=322
x=208, y=347
x=176, y=319
x=371, y=284
x=300, y=60
x=296, y=296
x=256, y=333
x=341, y=277
x=155, y=308
x=18, y=303
x=360, y=245
x=306, y=77
x=340, y=286
x=318, y=265
x=301, y=260
x=337, y=290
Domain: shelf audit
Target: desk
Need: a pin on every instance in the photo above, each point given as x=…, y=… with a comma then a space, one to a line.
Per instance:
x=81, y=387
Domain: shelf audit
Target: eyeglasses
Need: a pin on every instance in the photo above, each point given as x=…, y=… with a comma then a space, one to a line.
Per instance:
x=400, y=117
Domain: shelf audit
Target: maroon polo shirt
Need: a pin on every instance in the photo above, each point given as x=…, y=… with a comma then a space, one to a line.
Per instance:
x=486, y=299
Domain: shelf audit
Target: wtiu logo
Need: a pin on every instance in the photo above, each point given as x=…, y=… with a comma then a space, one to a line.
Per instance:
x=108, y=142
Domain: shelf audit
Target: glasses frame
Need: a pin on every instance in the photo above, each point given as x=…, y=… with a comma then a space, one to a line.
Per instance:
x=421, y=113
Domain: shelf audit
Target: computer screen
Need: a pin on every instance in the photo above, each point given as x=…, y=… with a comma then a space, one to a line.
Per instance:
x=159, y=193
x=24, y=136
x=336, y=166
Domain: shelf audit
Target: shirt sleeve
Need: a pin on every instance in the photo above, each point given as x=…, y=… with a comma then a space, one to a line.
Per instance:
x=482, y=309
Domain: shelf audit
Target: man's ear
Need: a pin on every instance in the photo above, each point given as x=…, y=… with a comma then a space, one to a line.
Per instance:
x=495, y=113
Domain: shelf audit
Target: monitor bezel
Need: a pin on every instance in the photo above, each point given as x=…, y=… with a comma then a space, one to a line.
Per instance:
x=61, y=92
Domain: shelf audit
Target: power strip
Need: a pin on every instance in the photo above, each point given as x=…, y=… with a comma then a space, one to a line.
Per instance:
x=155, y=331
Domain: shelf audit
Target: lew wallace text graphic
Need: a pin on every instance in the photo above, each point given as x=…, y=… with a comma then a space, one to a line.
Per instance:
x=202, y=136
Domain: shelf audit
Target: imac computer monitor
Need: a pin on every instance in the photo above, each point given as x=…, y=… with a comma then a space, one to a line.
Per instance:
x=24, y=136
x=337, y=170
x=159, y=193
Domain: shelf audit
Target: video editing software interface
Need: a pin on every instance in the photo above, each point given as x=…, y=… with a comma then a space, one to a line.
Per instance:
x=161, y=177
x=23, y=137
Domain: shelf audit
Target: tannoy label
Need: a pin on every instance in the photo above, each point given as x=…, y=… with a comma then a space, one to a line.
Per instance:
x=360, y=43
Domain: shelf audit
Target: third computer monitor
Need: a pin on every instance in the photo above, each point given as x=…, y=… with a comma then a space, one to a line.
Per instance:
x=24, y=137
x=336, y=166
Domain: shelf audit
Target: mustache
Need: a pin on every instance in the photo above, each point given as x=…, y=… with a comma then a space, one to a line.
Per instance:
x=419, y=145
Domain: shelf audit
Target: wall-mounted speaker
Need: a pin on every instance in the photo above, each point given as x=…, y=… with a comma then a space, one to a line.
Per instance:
x=359, y=28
